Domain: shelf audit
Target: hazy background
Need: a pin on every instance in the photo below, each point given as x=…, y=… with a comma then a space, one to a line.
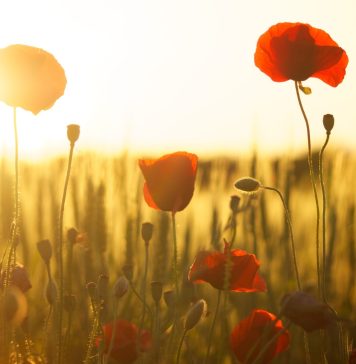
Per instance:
x=157, y=76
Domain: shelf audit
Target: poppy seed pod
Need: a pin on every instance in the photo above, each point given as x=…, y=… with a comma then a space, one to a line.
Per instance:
x=156, y=291
x=247, y=184
x=328, y=121
x=146, y=231
x=121, y=286
x=44, y=247
x=73, y=132
x=234, y=203
x=195, y=314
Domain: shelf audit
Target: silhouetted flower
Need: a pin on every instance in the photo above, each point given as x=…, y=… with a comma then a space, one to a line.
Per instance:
x=297, y=51
x=30, y=78
x=128, y=341
x=170, y=180
x=306, y=311
x=251, y=335
x=211, y=267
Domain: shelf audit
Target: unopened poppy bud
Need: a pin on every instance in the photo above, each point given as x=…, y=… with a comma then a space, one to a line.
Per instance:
x=127, y=269
x=121, y=286
x=72, y=234
x=195, y=314
x=328, y=121
x=247, y=184
x=91, y=288
x=69, y=302
x=306, y=311
x=169, y=298
x=156, y=291
x=73, y=132
x=234, y=203
x=44, y=247
x=51, y=292
x=146, y=231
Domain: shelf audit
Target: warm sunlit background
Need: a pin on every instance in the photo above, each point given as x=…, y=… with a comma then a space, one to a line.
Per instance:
x=161, y=75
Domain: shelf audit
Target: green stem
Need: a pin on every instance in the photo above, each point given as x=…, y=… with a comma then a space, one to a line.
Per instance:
x=212, y=328
x=312, y=177
x=290, y=232
x=321, y=177
x=180, y=346
x=60, y=256
x=175, y=250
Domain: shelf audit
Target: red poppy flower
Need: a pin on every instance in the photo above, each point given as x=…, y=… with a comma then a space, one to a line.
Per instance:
x=127, y=341
x=250, y=336
x=211, y=267
x=30, y=78
x=297, y=51
x=170, y=180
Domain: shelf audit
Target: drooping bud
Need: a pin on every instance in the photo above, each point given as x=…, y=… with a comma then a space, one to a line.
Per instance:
x=44, y=247
x=234, y=203
x=73, y=132
x=247, y=184
x=195, y=314
x=328, y=121
x=169, y=298
x=121, y=286
x=72, y=234
x=306, y=311
x=156, y=291
x=127, y=270
x=69, y=302
x=147, y=231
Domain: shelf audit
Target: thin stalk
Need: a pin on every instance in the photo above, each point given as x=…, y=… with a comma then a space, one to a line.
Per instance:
x=60, y=256
x=312, y=177
x=180, y=346
x=140, y=298
x=212, y=327
x=291, y=235
x=92, y=333
x=175, y=250
x=321, y=177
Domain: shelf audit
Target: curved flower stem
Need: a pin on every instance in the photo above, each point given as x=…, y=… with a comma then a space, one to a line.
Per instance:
x=290, y=232
x=312, y=177
x=180, y=346
x=140, y=299
x=321, y=177
x=175, y=250
x=60, y=256
x=112, y=340
x=212, y=328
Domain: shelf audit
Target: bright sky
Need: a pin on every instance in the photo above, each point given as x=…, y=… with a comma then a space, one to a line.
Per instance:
x=163, y=75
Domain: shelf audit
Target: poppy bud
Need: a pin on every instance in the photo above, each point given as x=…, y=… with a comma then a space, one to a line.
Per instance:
x=328, y=121
x=69, y=302
x=51, y=292
x=247, y=184
x=156, y=291
x=91, y=288
x=234, y=203
x=73, y=131
x=19, y=278
x=169, y=298
x=195, y=314
x=147, y=231
x=306, y=311
x=120, y=287
x=44, y=247
x=127, y=269
x=72, y=234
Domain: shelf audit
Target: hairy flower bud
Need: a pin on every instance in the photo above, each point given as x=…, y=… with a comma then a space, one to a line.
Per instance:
x=247, y=184
x=121, y=286
x=72, y=234
x=73, y=132
x=328, y=121
x=195, y=314
x=234, y=203
x=147, y=231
